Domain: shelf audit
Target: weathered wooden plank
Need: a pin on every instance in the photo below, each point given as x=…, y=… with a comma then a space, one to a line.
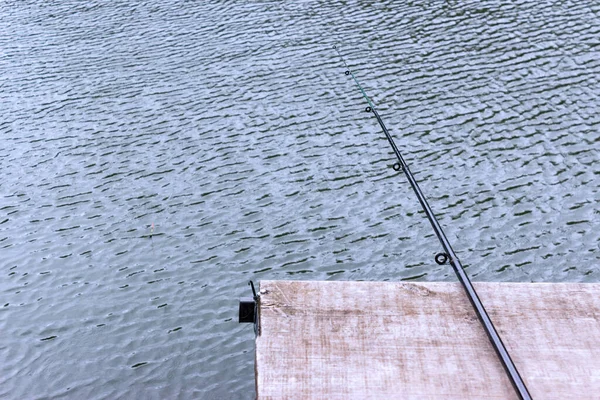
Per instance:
x=358, y=340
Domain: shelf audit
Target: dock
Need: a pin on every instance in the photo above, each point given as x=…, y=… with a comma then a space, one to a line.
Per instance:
x=401, y=340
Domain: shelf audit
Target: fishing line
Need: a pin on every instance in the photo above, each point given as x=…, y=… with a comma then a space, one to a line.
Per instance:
x=449, y=255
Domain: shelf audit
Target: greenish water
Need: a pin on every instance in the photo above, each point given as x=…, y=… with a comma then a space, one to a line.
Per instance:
x=157, y=156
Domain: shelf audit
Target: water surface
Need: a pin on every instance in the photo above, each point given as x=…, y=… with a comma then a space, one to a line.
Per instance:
x=155, y=157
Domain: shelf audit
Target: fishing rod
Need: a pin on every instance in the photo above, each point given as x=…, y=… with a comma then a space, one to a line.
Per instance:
x=449, y=255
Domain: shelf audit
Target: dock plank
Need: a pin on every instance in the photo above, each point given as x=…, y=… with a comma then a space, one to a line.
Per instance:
x=369, y=340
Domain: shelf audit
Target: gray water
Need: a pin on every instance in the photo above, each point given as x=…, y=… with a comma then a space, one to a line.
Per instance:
x=157, y=156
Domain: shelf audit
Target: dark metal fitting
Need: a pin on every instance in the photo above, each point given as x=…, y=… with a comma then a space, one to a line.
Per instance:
x=347, y=72
x=249, y=307
x=247, y=310
x=368, y=109
x=397, y=167
x=441, y=258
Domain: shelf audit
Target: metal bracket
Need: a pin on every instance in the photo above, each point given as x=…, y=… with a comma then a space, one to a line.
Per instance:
x=249, y=309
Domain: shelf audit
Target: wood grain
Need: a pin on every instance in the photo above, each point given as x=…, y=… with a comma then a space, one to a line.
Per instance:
x=369, y=340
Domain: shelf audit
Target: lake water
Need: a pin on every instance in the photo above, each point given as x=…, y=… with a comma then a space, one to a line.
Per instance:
x=157, y=156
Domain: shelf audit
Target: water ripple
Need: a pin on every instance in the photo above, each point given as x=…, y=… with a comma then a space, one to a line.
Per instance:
x=156, y=156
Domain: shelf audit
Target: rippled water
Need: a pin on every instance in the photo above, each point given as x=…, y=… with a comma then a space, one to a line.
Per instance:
x=157, y=156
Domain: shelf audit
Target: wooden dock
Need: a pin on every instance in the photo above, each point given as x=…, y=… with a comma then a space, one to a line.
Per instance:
x=382, y=340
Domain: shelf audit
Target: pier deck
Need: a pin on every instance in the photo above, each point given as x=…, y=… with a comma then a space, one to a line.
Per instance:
x=365, y=340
